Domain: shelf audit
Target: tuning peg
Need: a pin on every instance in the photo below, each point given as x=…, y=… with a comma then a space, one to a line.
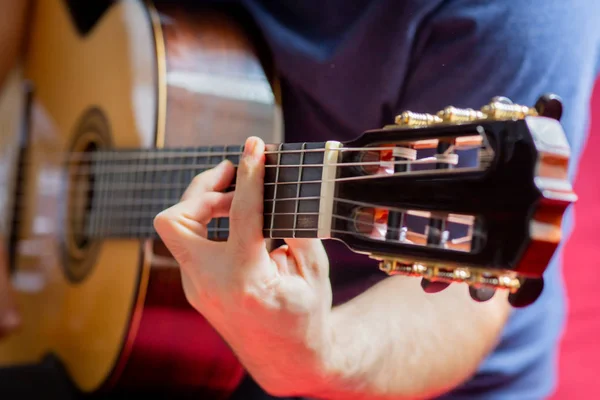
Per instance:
x=433, y=287
x=502, y=108
x=454, y=115
x=501, y=99
x=550, y=105
x=529, y=291
x=481, y=294
x=413, y=119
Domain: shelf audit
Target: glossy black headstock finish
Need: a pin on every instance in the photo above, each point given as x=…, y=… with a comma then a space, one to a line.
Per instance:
x=461, y=196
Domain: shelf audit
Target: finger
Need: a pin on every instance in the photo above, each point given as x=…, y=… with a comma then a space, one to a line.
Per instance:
x=183, y=226
x=10, y=319
x=310, y=256
x=285, y=262
x=215, y=179
x=246, y=215
x=194, y=213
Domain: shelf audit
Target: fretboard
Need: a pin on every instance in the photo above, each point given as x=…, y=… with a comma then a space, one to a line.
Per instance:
x=130, y=187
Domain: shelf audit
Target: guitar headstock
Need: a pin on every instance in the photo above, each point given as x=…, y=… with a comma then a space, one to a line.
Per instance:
x=464, y=195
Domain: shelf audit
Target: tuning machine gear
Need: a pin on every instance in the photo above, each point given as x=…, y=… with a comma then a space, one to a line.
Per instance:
x=482, y=283
x=499, y=108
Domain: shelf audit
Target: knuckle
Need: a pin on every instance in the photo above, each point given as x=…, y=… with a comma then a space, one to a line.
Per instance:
x=180, y=252
x=198, y=181
x=162, y=222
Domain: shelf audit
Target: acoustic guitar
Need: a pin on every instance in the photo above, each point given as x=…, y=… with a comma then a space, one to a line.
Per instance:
x=117, y=107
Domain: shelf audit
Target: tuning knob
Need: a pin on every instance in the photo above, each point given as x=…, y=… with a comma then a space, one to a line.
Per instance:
x=550, y=105
x=527, y=294
x=502, y=108
x=482, y=294
x=433, y=286
x=455, y=115
x=413, y=119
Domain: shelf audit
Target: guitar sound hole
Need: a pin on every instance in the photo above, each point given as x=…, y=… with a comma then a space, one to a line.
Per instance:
x=82, y=185
x=79, y=243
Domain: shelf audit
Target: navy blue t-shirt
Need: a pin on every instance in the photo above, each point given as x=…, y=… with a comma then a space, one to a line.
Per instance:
x=352, y=65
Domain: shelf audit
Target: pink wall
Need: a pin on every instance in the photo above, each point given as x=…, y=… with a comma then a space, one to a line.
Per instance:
x=580, y=353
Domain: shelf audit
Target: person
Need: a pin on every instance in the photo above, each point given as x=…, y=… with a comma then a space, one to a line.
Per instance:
x=311, y=319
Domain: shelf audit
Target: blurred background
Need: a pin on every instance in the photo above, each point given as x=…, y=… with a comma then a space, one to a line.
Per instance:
x=580, y=348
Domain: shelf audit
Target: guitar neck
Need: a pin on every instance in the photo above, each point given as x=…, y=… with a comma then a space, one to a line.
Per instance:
x=131, y=186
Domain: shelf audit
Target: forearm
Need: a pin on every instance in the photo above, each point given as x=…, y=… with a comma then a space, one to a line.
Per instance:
x=395, y=341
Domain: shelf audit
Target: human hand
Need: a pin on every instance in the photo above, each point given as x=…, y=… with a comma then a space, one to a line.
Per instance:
x=10, y=319
x=273, y=308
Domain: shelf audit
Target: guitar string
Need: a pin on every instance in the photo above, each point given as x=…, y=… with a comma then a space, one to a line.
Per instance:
x=335, y=199
x=132, y=169
x=126, y=216
x=179, y=168
x=108, y=190
x=141, y=229
x=83, y=197
x=129, y=186
x=153, y=153
x=132, y=185
x=313, y=198
x=213, y=231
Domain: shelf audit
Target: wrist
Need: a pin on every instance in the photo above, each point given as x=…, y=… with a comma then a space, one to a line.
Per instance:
x=293, y=361
x=341, y=362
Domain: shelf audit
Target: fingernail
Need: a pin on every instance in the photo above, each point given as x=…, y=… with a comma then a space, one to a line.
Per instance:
x=221, y=165
x=250, y=147
x=11, y=320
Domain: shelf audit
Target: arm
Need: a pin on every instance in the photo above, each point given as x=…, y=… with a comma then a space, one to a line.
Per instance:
x=395, y=340
x=12, y=29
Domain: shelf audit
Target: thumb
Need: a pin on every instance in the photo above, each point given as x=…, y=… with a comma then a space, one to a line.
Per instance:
x=311, y=257
x=246, y=214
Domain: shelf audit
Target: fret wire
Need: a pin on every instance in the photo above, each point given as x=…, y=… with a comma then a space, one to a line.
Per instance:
x=91, y=217
x=103, y=217
x=122, y=177
x=137, y=175
x=126, y=175
x=104, y=220
x=98, y=197
x=218, y=220
x=151, y=177
x=165, y=178
x=177, y=177
x=275, y=189
x=298, y=189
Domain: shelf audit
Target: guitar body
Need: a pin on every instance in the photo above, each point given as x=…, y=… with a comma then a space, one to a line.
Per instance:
x=113, y=313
